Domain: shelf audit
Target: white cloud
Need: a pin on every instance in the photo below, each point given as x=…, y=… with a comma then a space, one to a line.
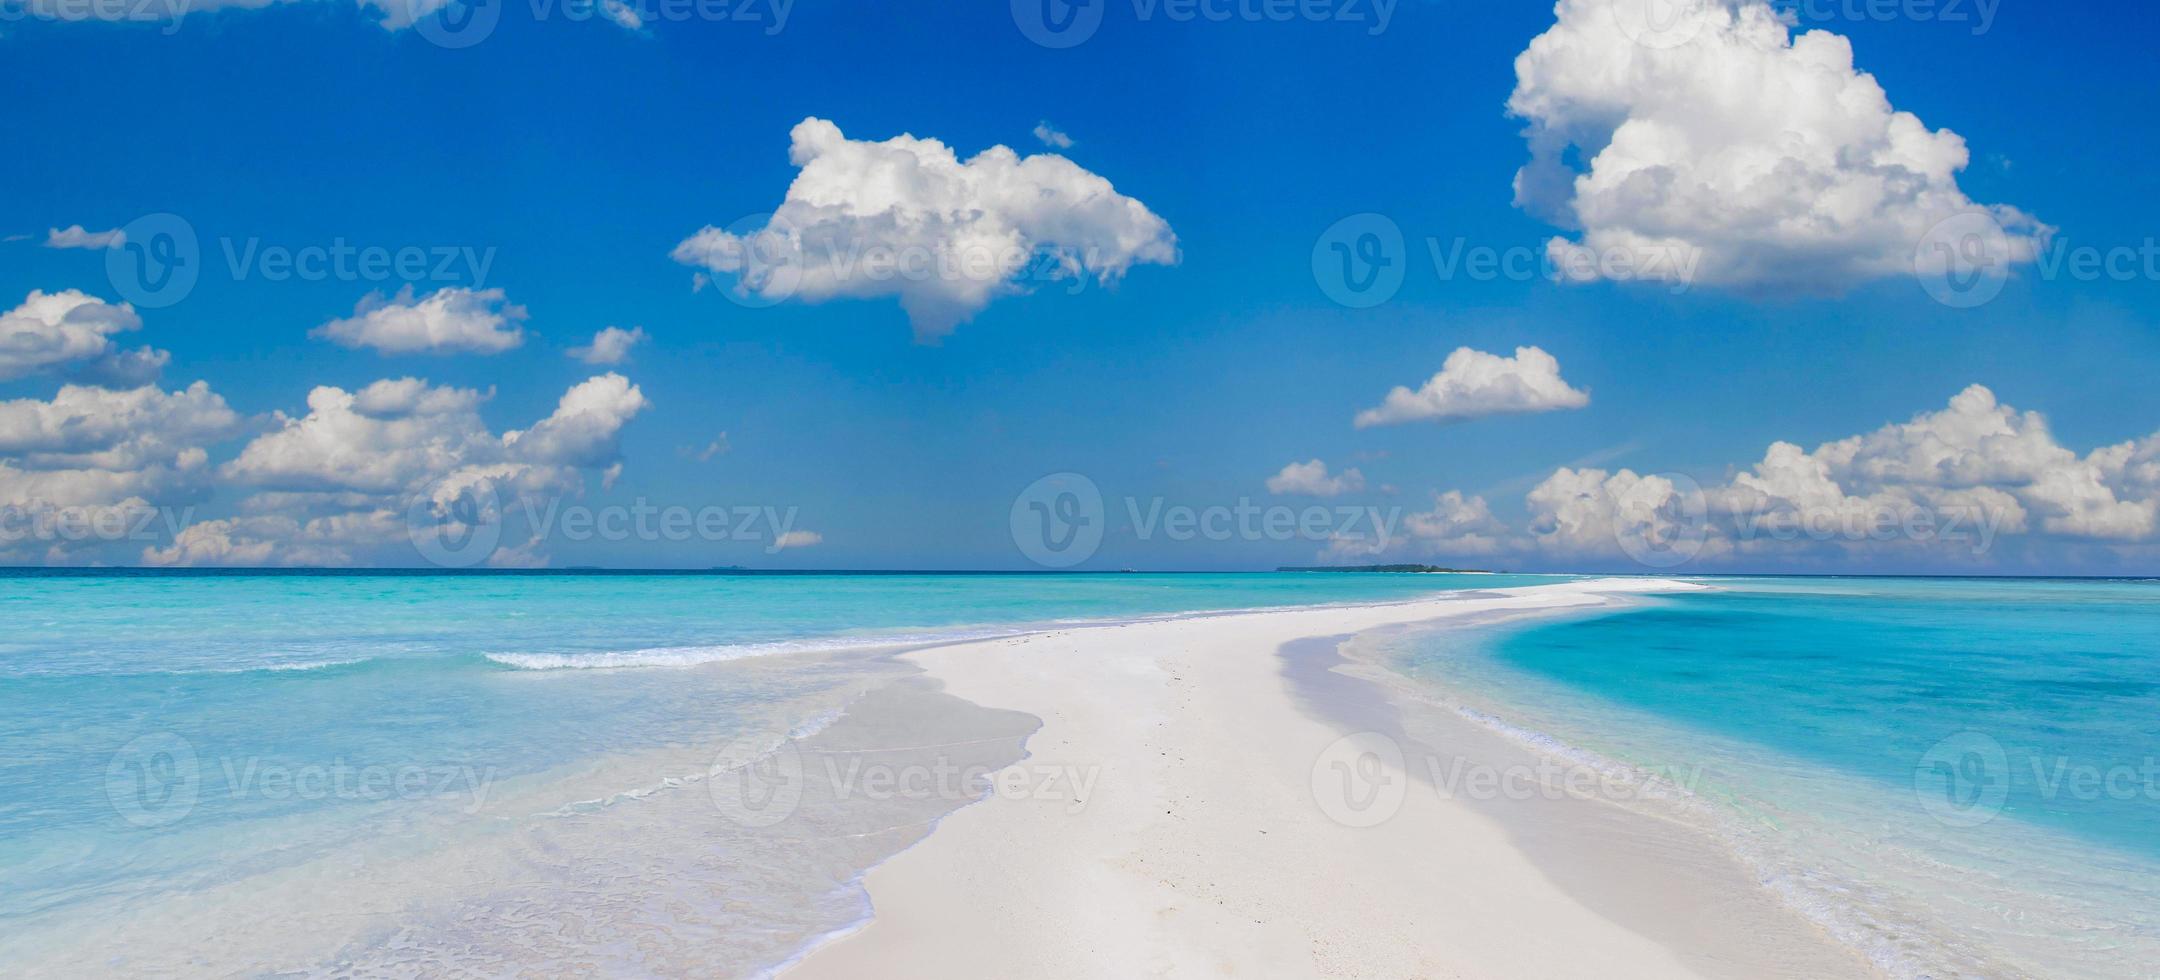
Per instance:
x=622, y=15
x=1311, y=479
x=271, y=540
x=447, y=321
x=86, y=427
x=75, y=236
x=400, y=462
x=1051, y=137
x=1456, y=525
x=95, y=472
x=1945, y=486
x=582, y=430
x=610, y=346
x=797, y=539
x=1709, y=130
x=399, y=435
x=385, y=438
x=907, y=218
x=1473, y=384
x=94, y=466
x=73, y=330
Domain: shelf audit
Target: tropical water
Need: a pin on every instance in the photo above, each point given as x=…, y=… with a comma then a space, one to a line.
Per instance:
x=1959, y=777
x=321, y=773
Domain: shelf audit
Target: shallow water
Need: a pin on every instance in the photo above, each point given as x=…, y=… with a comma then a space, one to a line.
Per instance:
x=1955, y=777
x=255, y=773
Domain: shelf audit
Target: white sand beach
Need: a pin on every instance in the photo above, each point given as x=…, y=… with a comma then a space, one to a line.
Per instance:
x=1216, y=838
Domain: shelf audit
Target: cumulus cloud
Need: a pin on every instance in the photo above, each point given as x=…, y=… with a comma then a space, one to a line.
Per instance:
x=1311, y=479
x=86, y=427
x=381, y=439
x=102, y=471
x=610, y=346
x=272, y=540
x=402, y=461
x=72, y=330
x=76, y=236
x=450, y=320
x=583, y=427
x=1944, y=486
x=95, y=466
x=907, y=218
x=1473, y=384
x=797, y=539
x=1456, y=526
x=1708, y=130
x=1051, y=137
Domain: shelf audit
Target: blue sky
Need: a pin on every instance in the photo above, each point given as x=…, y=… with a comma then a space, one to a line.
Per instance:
x=577, y=154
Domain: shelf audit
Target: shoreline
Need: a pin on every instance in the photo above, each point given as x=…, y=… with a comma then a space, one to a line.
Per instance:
x=1214, y=843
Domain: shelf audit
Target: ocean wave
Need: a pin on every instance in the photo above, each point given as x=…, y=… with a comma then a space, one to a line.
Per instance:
x=692, y=656
x=298, y=665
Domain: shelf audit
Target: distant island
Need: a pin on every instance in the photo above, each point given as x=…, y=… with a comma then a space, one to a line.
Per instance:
x=1383, y=568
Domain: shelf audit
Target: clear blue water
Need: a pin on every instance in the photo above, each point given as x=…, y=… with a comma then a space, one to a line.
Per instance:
x=1962, y=775
x=165, y=735
x=1870, y=675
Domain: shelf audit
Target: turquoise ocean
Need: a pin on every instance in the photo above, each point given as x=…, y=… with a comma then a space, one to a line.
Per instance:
x=1959, y=777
